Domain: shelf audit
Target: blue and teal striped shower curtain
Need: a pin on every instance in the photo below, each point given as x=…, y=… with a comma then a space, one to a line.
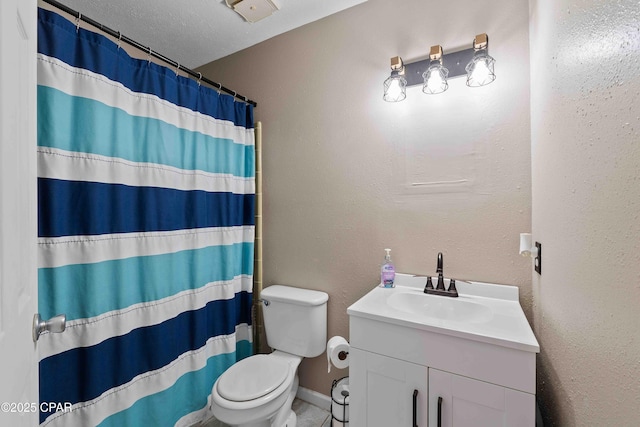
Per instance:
x=146, y=190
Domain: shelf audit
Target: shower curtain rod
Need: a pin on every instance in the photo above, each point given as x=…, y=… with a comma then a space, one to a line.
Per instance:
x=148, y=51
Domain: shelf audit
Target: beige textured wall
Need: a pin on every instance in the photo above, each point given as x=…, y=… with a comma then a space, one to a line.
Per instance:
x=586, y=203
x=339, y=161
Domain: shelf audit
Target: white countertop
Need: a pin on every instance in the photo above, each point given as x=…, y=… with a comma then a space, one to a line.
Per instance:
x=502, y=321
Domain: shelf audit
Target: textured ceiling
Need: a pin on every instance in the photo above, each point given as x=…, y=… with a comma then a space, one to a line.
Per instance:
x=196, y=32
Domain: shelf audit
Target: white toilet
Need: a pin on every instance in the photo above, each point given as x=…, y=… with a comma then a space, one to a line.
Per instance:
x=258, y=391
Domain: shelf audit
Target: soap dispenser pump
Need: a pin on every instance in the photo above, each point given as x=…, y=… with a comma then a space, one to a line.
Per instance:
x=388, y=271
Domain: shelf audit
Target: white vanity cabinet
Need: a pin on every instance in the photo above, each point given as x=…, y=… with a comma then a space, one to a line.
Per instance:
x=402, y=363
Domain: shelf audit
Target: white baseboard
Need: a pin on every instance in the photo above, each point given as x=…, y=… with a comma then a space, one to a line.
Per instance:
x=315, y=398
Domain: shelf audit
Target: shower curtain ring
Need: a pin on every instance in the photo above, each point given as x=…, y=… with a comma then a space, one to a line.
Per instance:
x=149, y=57
x=177, y=69
x=119, y=39
x=78, y=18
x=199, y=78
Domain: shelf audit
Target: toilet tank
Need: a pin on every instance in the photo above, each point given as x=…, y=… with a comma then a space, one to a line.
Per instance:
x=295, y=320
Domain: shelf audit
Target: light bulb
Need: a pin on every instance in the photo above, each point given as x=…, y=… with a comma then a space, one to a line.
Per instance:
x=395, y=88
x=480, y=69
x=435, y=79
x=481, y=72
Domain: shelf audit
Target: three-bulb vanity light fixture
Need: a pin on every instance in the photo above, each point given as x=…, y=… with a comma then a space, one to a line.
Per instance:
x=434, y=72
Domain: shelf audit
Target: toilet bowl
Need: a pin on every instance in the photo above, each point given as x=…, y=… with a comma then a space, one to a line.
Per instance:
x=258, y=391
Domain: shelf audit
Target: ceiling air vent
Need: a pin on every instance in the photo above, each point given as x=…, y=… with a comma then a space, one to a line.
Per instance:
x=253, y=10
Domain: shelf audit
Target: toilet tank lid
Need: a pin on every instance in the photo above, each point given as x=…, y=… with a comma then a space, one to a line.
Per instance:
x=293, y=295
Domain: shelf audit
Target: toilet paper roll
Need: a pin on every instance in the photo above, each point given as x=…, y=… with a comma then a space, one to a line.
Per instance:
x=337, y=353
x=340, y=402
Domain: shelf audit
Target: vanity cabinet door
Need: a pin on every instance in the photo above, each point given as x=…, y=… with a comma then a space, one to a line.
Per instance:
x=466, y=402
x=386, y=391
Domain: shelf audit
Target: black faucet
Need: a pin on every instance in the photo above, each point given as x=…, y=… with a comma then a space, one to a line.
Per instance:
x=440, y=289
x=440, y=285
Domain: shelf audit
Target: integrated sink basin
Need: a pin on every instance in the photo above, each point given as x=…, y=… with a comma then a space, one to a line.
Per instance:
x=459, y=309
x=482, y=312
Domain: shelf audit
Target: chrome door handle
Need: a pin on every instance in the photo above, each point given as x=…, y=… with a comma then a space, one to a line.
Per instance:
x=56, y=324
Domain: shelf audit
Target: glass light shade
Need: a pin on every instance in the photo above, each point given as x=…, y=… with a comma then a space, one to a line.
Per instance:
x=480, y=69
x=435, y=78
x=395, y=87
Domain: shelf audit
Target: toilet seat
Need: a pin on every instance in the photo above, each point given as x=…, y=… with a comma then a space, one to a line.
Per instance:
x=252, y=378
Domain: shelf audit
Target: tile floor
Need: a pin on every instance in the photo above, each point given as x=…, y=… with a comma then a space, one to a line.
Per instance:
x=308, y=416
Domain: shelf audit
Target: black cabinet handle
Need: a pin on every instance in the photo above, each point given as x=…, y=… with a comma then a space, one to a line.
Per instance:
x=439, y=411
x=415, y=408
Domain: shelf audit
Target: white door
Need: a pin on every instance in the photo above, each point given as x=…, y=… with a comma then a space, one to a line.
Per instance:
x=466, y=402
x=18, y=213
x=386, y=391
